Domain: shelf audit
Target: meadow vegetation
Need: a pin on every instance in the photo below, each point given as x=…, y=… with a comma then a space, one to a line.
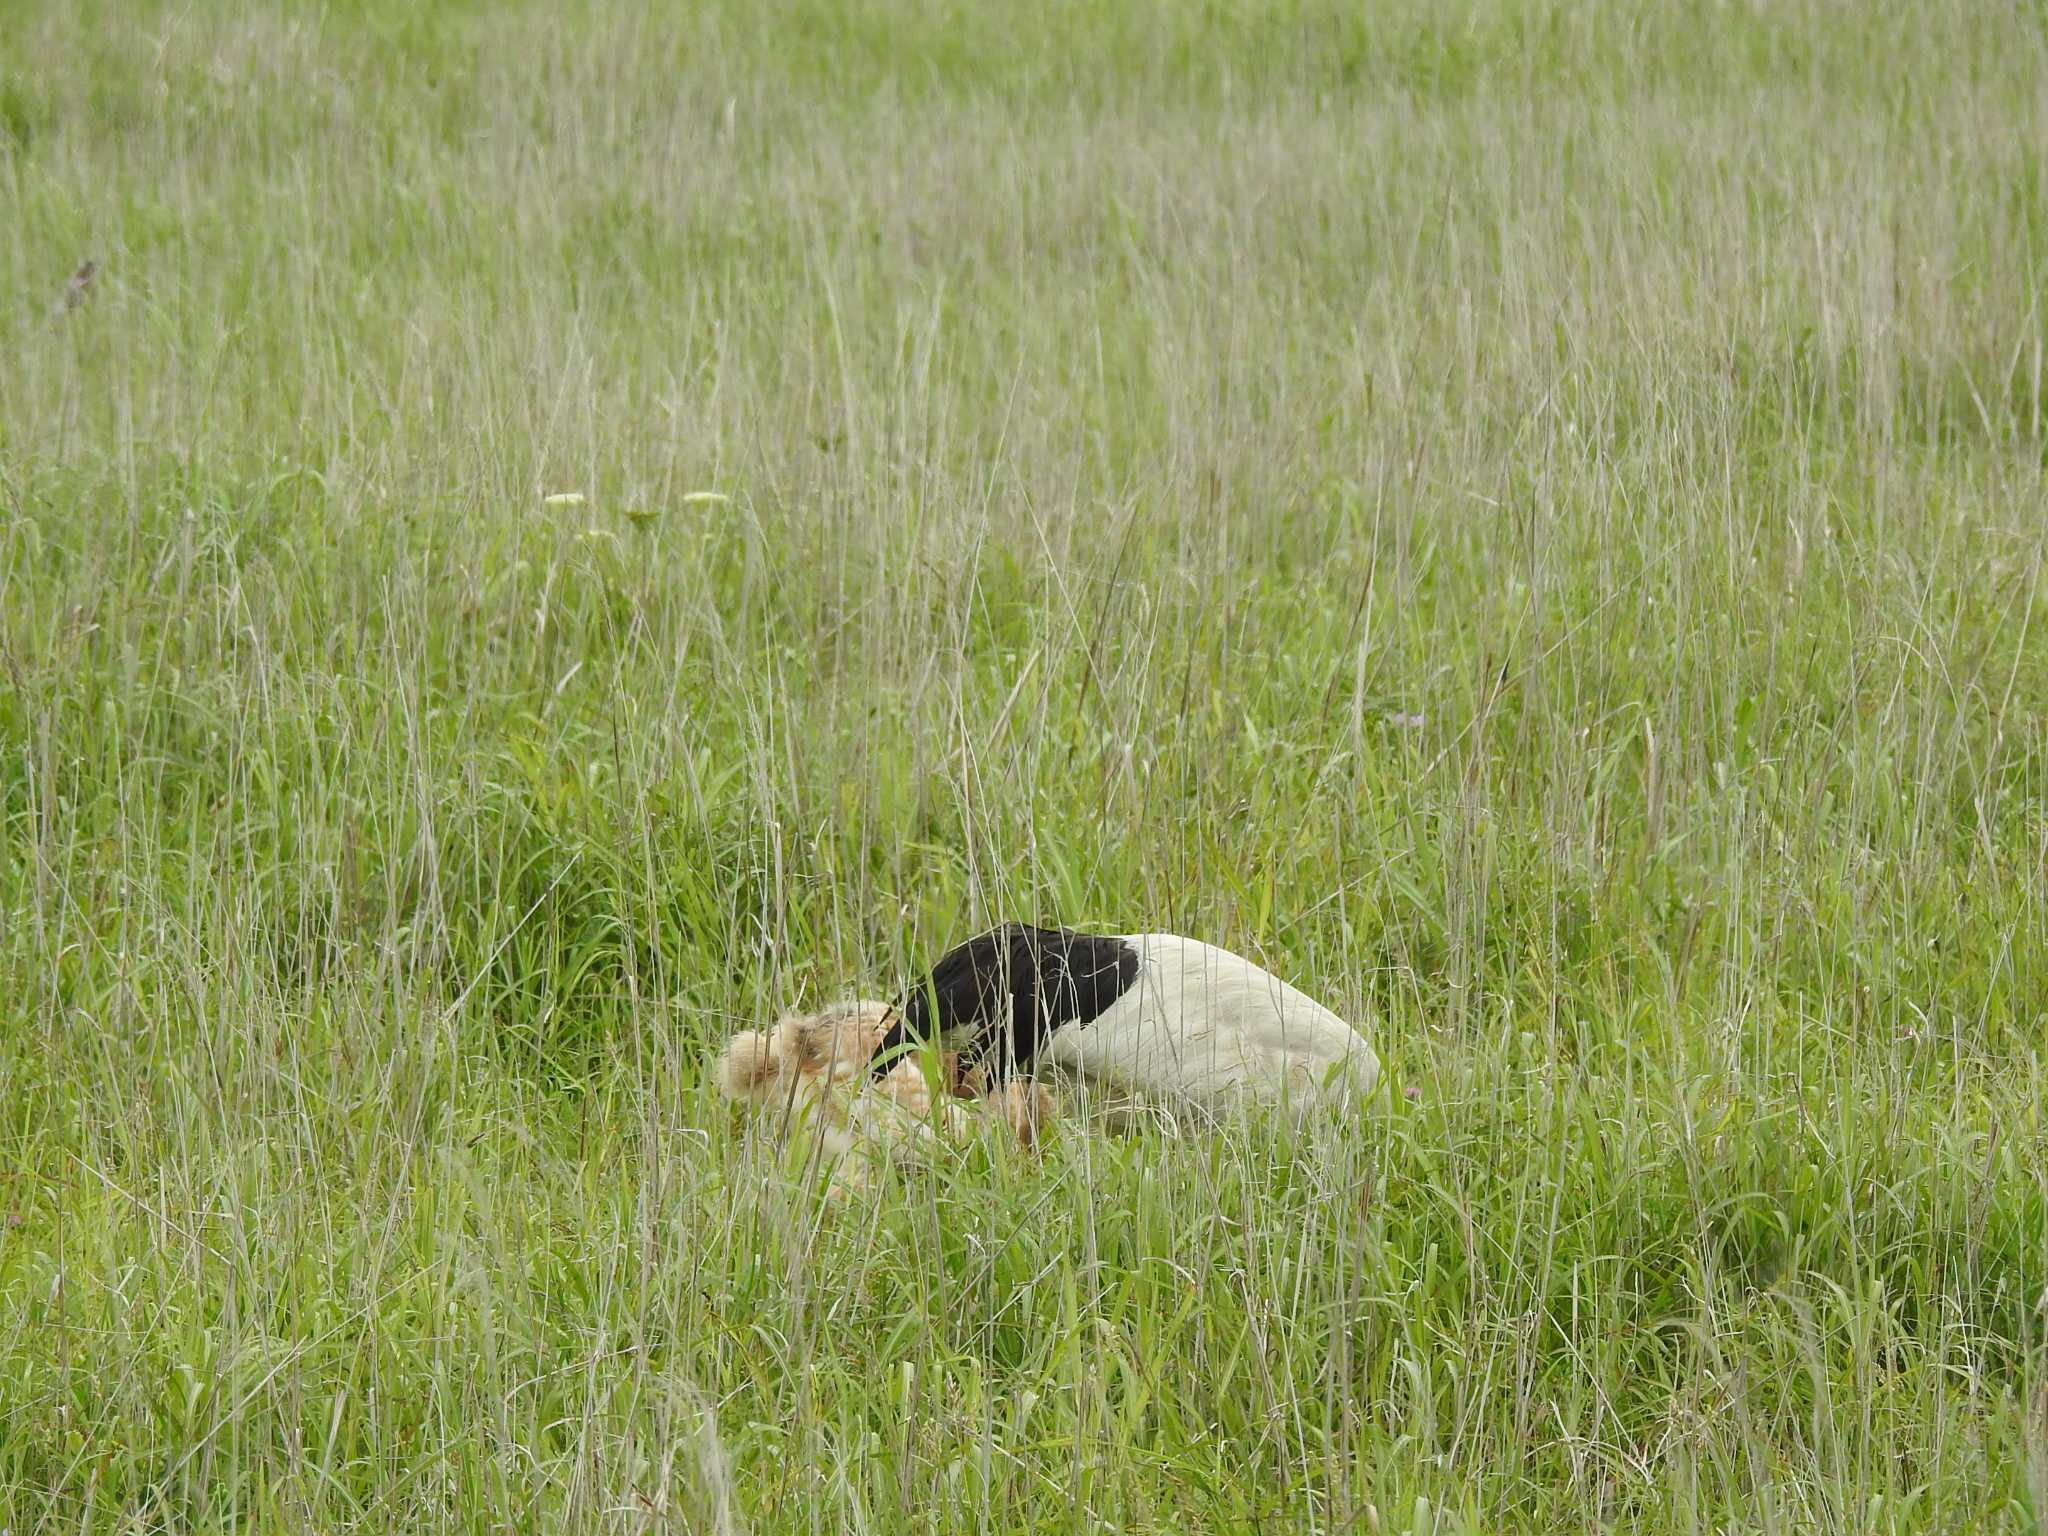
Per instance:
x=1526, y=518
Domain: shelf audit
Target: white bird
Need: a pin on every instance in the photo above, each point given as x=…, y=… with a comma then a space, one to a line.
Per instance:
x=1151, y=1018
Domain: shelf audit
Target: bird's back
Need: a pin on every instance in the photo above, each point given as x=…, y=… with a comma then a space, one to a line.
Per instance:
x=1205, y=1024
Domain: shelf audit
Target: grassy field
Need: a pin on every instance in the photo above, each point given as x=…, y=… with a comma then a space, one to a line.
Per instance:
x=1528, y=518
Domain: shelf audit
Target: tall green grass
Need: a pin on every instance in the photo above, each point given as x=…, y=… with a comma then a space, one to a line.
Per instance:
x=1527, y=518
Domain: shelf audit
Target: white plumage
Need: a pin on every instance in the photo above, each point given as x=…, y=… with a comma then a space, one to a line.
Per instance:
x=1206, y=1028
